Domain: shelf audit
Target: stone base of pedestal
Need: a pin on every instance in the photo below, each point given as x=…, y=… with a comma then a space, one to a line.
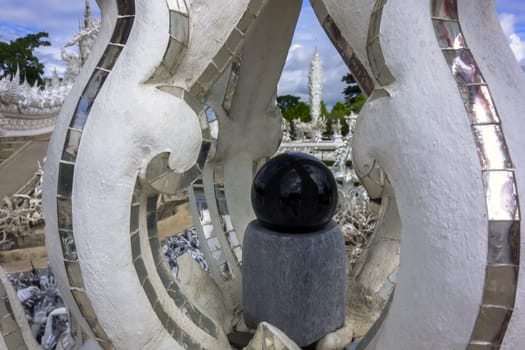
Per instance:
x=296, y=281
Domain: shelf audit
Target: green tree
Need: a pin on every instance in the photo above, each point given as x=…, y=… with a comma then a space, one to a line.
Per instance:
x=293, y=110
x=285, y=102
x=19, y=54
x=358, y=103
x=352, y=90
x=338, y=113
x=302, y=112
x=354, y=97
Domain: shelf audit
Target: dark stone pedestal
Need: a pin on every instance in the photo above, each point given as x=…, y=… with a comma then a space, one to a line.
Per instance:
x=296, y=282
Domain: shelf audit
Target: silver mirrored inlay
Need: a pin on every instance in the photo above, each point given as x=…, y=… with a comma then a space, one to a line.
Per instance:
x=226, y=271
x=193, y=103
x=445, y=9
x=65, y=179
x=491, y=324
x=179, y=27
x=178, y=5
x=157, y=167
x=71, y=145
x=375, y=25
x=65, y=217
x=74, y=274
x=122, y=30
x=126, y=7
x=491, y=146
x=377, y=62
x=500, y=188
x=169, y=183
x=448, y=34
x=500, y=286
x=234, y=40
x=501, y=195
x=504, y=242
x=463, y=66
x=218, y=255
x=479, y=104
x=222, y=58
x=110, y=56
x=482, y=346
x=81, y=113
x=203, y=155
x=245, y=22
x=173, y=55
x=379, y=4
x=69, y=248
x=95, y=84
x=210, y=74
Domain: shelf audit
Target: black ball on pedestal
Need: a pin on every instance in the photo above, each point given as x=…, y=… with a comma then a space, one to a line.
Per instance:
x=294, y=192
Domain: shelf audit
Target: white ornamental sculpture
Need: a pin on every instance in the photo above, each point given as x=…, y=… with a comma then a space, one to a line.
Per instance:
x=315, y=87
x=315, y=127
x=442, y=146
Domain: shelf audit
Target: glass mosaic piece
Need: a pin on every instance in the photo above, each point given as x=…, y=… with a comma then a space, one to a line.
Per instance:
x=222, y=58
x=375, y=25
x=65, y=217
x=71, y=145
x=122, y=30
x=134, y=218
x=126, y=7
x=479, y=105
x=500, y=286
x=178, y=5
x=190, y=176
x=203, y=155
x=179, y=27
x=463, y=66
x=193, y=103
x=491, y=146
x=173, y=54
x=379, y=4
x=84, y=305
x=218, y=255
x=504, y=243
x=234, y=40
x=501, y=195
x=245, y=22
x=94, y=85
x=69, y=248
x=74, y=274
x=157, y=167
x=482, y=346
x=445, y=9
x=168, y=183
x=81, y=113
x=448, y=34
x=110, y=56
x=65, y=179
x=491, y=324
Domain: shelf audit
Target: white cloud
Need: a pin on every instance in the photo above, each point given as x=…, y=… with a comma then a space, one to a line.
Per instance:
x=508, y=23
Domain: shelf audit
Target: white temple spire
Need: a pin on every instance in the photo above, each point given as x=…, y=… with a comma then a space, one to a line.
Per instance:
x=315, y=85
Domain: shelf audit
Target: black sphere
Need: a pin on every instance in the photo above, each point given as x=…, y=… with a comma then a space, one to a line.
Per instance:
x=294, y=192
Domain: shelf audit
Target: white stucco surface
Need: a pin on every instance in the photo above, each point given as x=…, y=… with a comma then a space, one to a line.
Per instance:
x=54, y=151
x=422, y=138
x=507, y=86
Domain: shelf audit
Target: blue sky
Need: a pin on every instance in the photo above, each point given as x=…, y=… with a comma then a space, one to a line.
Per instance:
x=61, y=18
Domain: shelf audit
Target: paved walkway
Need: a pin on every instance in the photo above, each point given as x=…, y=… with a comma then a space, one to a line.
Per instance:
x=20, y=167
